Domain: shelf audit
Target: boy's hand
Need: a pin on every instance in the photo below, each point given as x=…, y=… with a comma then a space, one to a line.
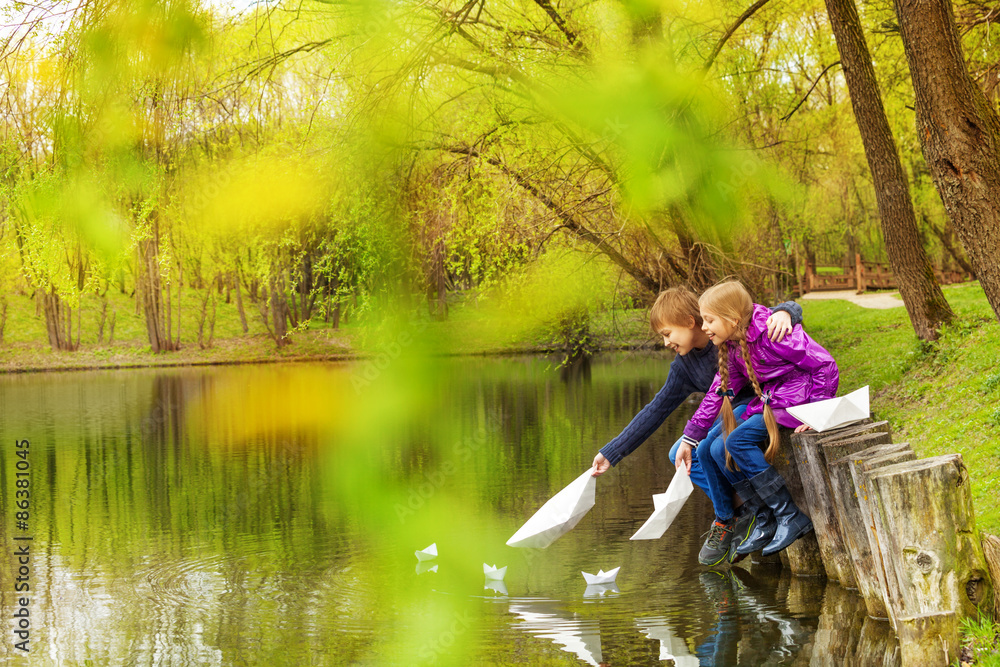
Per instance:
x=801, y=428
x=778, y=325
x=684, y=458
x=600, y=464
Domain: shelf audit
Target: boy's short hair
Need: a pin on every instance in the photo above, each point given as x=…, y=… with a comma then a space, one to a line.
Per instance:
x=674, y=306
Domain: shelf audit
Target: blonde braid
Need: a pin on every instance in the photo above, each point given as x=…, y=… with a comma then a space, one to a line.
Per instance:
x=769, y=420
x=728, y=417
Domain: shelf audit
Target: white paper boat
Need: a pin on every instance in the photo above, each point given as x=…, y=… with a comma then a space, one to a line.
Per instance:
x=559, y=515
x=600, y=590
x=601, y=577
x=430, y=553
x=666, y=507
x=495, y=585
x=492, y=572
x=833, y=412
x=423, y=567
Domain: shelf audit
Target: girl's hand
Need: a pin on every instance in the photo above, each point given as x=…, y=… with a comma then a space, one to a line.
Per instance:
x=600, y=465
x=683, y=458
x=778, y=325
x=802, y=428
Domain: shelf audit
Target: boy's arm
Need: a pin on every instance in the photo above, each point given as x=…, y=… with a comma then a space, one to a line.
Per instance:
x=783, y=319
x=793, y=309
x=674, y=392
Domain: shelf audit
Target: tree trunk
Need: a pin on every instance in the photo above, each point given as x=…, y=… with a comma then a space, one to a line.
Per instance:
x=919, y=288
x=959, y=133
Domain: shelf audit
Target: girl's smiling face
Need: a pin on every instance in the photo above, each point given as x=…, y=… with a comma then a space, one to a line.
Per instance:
x=718, y=329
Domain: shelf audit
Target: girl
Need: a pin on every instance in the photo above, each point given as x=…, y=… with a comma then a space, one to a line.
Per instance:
x=783, y=374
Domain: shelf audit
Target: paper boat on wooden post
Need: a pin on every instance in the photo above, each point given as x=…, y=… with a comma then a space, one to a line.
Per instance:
x=430, y=553
x=833, y=412
x=666, y=507
x=601, y=577
x=493, y=572
x=559, y=515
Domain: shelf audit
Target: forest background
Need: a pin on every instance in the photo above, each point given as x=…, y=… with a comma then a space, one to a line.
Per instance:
x=310, y=165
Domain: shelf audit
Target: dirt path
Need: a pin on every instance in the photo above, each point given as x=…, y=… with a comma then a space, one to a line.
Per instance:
x=879, y=300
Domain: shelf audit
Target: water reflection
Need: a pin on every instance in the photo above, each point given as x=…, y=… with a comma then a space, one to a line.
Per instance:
x=183, y=517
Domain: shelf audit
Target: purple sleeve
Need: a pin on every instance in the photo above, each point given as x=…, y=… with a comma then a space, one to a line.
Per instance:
x=806, y=354
x=703, y=418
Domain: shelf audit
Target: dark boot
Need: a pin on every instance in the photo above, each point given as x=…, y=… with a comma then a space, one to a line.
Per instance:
x=763, y=522
x=791, y=524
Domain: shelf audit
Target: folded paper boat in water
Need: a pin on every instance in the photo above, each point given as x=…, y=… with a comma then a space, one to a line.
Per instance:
x=559, y=515
x=666, y=507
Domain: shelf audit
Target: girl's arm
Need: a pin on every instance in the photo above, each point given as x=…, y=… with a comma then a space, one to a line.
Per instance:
x=703, y=418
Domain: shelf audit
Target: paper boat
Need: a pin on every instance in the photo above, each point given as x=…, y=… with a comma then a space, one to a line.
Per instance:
x=430, y=553
x=423, y=567
x=495, y=585
x=600, y=590
x=494, y=573
x=601, y=577
x=559, y=515
x=666, y=507
x=833, y=412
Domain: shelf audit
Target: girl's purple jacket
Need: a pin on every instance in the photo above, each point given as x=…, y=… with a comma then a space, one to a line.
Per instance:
x=797, y=370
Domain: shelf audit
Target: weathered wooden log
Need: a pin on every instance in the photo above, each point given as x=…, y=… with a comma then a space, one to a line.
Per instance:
x=839, y=627
x=878, y=646
x=991, y=549
x=818, y=497
x=834, y=450
x=862, y=428
x=854, y=519
x=802, y=557
x=928, y=640
x=930, y=547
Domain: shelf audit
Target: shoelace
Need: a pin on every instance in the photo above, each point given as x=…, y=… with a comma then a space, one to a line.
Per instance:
x=716, y=533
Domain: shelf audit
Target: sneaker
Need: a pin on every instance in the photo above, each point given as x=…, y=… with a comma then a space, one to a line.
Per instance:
x=745, y=522
x=716, y=547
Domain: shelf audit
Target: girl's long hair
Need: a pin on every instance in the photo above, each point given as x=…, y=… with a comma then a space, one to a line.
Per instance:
x=731, y=301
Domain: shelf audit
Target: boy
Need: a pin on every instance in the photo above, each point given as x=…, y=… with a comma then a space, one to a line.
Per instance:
x=675, y=316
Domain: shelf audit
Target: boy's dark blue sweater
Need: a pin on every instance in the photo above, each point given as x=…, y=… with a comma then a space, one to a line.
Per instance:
x=690, y=373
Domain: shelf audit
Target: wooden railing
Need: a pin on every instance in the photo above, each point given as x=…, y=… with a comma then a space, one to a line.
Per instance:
x=865, y=275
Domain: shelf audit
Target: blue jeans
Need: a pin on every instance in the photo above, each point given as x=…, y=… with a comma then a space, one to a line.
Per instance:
x=699, y=470
x=744, y=446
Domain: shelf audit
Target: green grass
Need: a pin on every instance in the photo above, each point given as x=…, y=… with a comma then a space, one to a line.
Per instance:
x=941, y=397
x=982, y=637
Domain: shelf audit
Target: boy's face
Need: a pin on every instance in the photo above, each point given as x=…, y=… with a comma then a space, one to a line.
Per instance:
x=679, y=337
x=718, y=329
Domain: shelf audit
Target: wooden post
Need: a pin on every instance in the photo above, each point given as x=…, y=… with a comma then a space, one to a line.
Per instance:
x=877, y=645
x=929, y=543
x=859, y=273
x=991, y=549
x=802, y=557
x=838, y=629
x=818, y=498
x=854, y=519
x=928, y=640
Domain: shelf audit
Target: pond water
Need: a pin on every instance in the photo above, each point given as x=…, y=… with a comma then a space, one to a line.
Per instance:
x=270, y=514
